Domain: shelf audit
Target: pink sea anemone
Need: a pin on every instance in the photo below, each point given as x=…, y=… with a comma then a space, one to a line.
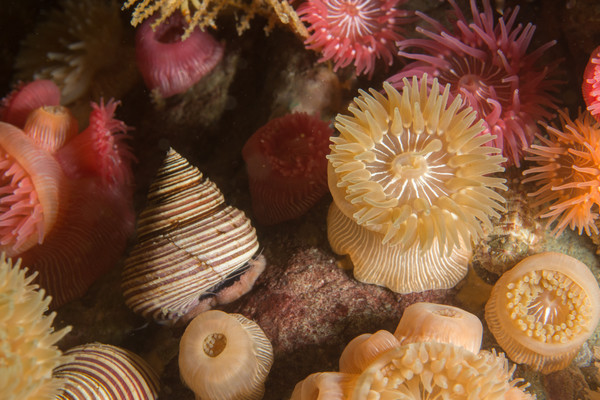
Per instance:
x=170, y=65
x=489, y=65
x=65, y=198
x=287, y=167
x=353, y=31
x=100, y=150
x=25, y=98
x=591, y=84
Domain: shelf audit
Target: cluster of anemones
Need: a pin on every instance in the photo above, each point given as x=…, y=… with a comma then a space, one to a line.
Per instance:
x=490, y=66
x=66, y=196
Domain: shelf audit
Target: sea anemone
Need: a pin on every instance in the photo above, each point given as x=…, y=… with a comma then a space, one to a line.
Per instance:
x=543, y=309
x=28, y=352
x=31, y=180
x=26, y=97
x=67, y=200
x=408, y=179
x=590, y=87
x=353, y=31
x=105, y=372
x=567, y=176
x=385, y=366
x=170, y=65
x=83, y=48
x=428, y=322
x=51, y=127
x=224, y=356
x=286, y=165
x=493, y=71
x=101, y=150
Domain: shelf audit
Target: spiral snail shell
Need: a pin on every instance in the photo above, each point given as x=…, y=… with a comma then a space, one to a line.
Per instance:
x=105, y=372
x=189, y=244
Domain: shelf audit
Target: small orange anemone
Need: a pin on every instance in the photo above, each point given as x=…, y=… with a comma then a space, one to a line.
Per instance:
x=434, y=353
x=543, y=309
x=568, y=173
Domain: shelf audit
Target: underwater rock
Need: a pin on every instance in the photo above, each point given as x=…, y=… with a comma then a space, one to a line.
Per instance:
x=311, y=309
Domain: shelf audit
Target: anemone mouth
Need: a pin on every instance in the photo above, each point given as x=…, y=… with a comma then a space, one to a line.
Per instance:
x=410, y=162
x=548, y=306
x=295, y=145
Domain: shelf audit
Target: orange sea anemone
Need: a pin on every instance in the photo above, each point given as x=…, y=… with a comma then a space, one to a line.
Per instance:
x=28, y=351
x=382, y=365
x=568, y=173
x=408, y=176
x=543, y=309
x=225, y=357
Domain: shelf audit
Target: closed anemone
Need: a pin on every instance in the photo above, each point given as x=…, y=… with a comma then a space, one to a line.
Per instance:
x=543, y=309
x=428, y=357
x=224, y=356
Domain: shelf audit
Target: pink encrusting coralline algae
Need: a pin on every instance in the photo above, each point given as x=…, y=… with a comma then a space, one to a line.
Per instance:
x=488, y=64
x=353, y=31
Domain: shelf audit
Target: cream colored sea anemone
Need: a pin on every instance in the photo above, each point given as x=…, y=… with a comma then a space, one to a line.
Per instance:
x=543, y=310
x=408, y=176
x=224, y=357
x=27, y=340
x=420, y=361
x=82, y=47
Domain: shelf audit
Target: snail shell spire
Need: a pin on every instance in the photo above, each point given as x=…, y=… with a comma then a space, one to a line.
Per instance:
x=189, y=242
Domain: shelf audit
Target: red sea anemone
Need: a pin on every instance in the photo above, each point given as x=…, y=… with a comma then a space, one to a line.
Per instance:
x=287, y=167
x=170, y=65
x=568, y=173
x=353, y=31
x=488, y=64
x=591, y=84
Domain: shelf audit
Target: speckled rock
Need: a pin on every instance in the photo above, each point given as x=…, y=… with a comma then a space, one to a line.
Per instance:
x=310, y=309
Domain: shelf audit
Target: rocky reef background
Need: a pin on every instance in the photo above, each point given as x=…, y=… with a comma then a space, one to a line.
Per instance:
x=307, y=305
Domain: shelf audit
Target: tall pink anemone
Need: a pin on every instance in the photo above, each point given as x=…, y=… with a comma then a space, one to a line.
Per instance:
x=353, y=31
x=488, y=64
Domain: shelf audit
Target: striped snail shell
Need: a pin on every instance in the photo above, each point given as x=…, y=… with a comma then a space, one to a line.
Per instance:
x=189, y=242
x=105, y=372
